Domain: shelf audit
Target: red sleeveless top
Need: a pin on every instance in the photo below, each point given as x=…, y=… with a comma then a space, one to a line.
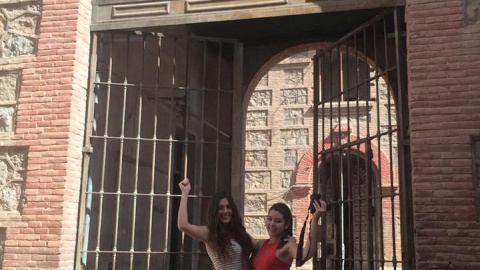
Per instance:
x=265, y=259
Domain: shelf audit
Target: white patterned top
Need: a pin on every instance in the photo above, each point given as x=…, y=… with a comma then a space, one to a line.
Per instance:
x=234, y=259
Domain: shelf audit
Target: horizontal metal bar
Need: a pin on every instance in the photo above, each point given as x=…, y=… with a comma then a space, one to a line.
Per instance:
x=141, y=252
x=179, y=88
x=357, y=142
x=361, y=260
x=171, y=36
x=144, y=194
x=156, y=140
x=365, y=82
x=362, y=199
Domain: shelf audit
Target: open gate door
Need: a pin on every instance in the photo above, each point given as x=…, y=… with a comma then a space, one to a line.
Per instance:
x=361, y=141
x=148, y=127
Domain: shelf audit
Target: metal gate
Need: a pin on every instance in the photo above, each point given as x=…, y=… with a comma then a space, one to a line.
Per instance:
x=361, y=141
x=148, y=127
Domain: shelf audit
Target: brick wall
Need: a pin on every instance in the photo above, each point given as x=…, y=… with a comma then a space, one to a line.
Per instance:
x=50, y=124
x=444, y=87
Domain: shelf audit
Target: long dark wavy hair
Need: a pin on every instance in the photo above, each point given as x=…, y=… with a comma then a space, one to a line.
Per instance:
x=220, y=234
x=287, y=216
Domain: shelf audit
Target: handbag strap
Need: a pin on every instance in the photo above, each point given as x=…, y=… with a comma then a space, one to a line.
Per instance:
x=299, y=260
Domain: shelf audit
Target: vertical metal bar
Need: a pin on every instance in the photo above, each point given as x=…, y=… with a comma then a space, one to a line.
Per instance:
x=202, y=121
x=378, y=187
x=154, y=150
x=82, y=234
x=199, y=165
x=170, y=152
x=186, y=138
x=120, y=159
x=390, y=145
x=340, y=92
x=217, y=140
x=341, y=205
x=358, y=201
x=349, y=214
x=316, y=89
x=104, y=153
x=405, y=185
x=186, y=117
x=368, y=163
x=137, y=155
x=238, y=134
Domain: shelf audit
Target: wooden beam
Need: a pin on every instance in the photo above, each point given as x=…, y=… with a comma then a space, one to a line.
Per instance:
x=136, y=14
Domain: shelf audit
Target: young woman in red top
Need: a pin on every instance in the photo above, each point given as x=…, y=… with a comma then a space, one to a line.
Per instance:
x=279, y=251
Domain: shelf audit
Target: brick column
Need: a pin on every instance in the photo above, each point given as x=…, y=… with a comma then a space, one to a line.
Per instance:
x=444, y=92
x=50, y=123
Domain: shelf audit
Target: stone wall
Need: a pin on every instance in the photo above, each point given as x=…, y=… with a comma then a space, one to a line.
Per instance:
x=19, y=22
x=44, y=53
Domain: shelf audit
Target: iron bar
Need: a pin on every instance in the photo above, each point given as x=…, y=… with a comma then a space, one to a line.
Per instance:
x=120, y=160
x=105, y=143
x=137, y=157
x=170, y=154
x=378, y=186
x=173, y=88
x=154, y=156
x=316, y=186
x=217, y=137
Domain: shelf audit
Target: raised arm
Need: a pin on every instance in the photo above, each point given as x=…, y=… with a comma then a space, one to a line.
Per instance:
x=311, y=242
x=197, y=232
x=311, y=237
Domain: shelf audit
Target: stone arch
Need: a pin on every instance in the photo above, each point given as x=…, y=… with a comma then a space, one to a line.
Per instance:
x=303, y=176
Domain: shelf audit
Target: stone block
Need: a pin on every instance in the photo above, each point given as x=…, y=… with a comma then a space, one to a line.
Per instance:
x=256, y=158
x=293, y=117
x=13, y=164
x=258, y=180
x=261, y=98
x=256, y=226
x=257, y=118
x=290, y=157
x=256, y=203
x=294, y=96
x=286, y=177
x=472, y=11
x=19, y=29
x=294, y=76
x=256, y=138
x=294, y=136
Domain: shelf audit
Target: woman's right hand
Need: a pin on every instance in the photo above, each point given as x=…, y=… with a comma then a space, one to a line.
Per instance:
x=185, y=186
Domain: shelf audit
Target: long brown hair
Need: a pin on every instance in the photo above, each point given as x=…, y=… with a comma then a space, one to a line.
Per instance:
x=220, y=234
x=287, y=216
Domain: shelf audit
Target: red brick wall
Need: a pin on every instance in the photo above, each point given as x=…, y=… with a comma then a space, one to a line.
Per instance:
x=51, y=116
x=444, y=87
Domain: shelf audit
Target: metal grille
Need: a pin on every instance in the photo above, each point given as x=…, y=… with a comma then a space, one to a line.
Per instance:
x=359, y=135
x=149, y=126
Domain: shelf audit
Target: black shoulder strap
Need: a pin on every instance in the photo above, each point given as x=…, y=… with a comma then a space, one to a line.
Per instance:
x=299, y=261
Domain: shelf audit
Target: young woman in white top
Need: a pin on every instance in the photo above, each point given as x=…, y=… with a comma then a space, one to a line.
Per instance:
x=227, y=242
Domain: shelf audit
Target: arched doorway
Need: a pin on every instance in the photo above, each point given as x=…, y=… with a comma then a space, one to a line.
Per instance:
x=167, y=106
x=358, y=121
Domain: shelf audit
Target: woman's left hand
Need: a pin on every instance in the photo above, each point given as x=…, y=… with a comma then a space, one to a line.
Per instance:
x=290, y=239
x=320, y=208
